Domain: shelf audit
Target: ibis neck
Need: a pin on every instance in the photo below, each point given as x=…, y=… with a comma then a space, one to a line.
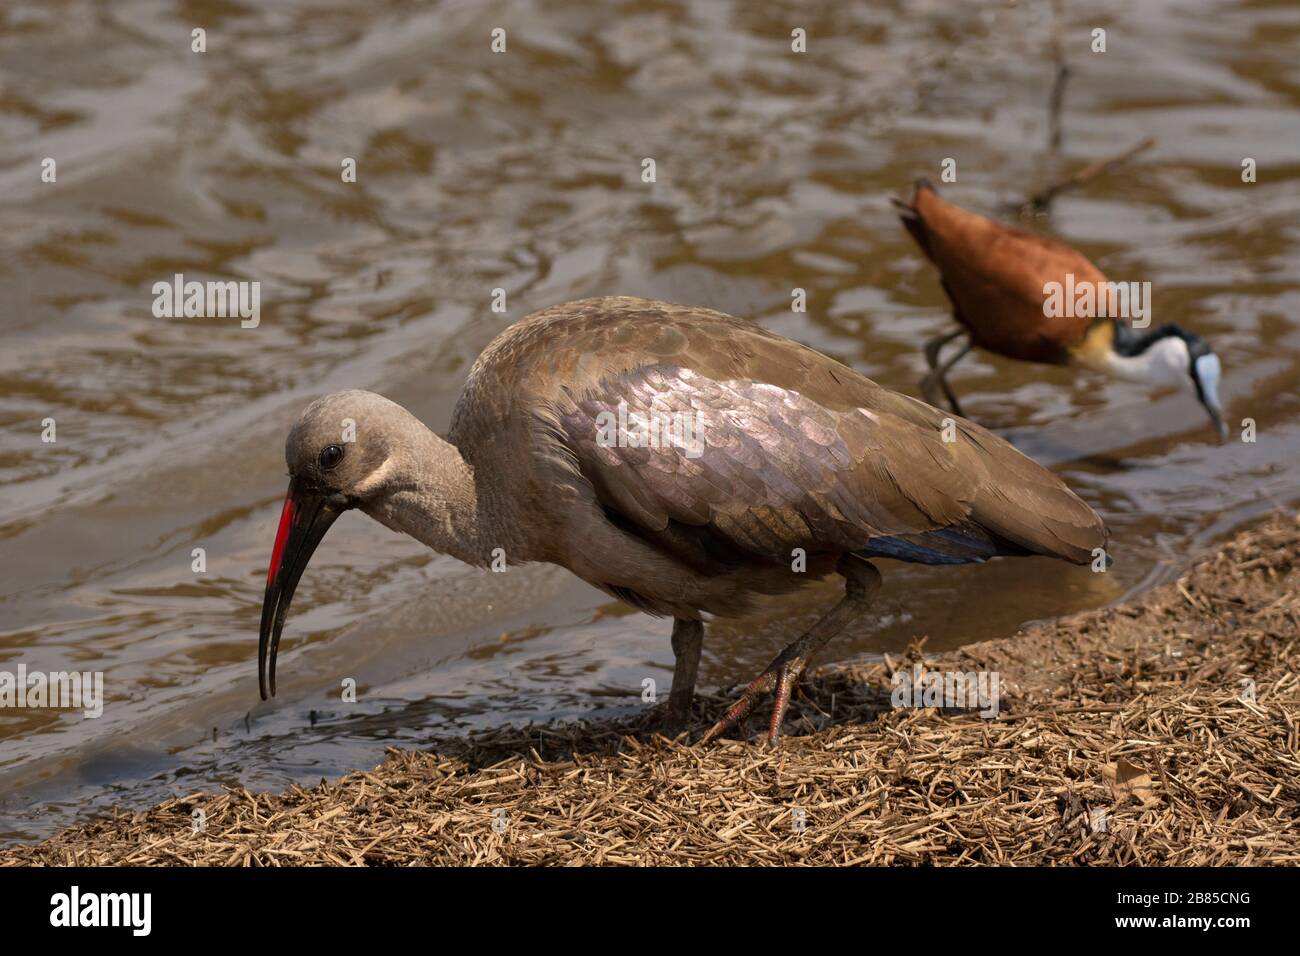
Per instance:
x=430, y=494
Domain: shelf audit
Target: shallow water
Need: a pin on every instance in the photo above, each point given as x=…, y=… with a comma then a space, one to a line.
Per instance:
x=521, y=171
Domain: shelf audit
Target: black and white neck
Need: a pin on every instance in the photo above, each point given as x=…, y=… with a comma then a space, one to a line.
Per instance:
x=1161, y=356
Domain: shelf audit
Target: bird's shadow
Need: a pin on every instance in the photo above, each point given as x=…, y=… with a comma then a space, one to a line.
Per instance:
x=831, y=699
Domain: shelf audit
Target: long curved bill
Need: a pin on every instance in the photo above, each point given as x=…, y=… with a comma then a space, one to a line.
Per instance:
x=304, y=519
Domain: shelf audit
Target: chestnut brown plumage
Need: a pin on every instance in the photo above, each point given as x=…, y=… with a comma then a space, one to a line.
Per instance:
x=997, y=279
x=785, y=466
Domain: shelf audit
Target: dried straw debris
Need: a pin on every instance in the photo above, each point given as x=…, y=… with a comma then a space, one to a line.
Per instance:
x=1160, y=732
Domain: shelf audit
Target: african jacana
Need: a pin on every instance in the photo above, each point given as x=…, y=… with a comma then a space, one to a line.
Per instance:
x=998, y=279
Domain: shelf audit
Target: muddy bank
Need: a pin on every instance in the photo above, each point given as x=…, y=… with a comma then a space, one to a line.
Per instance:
x=1159, y=732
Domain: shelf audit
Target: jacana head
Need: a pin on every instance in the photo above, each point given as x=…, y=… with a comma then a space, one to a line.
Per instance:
x=1170, y=355
x=340, y=455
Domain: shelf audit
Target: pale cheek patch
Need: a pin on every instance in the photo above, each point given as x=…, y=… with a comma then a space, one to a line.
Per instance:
x=377, y=478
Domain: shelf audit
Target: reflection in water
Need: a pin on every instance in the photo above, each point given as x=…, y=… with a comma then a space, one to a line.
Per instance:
x=521, y=171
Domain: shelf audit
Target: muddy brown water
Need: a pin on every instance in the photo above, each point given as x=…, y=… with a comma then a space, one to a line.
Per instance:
x=521, y=171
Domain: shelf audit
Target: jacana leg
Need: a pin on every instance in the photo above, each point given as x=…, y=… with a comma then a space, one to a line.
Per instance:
x=688, y=640
x=932, y=349
x=939, y=376
x=943, y=379
x=861, y=581
x=929, y=392
x=935, y=344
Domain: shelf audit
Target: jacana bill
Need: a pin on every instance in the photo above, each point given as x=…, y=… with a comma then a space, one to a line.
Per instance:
x=1206, y=372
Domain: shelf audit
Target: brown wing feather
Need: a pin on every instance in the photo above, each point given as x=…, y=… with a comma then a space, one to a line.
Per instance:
x=774, y=470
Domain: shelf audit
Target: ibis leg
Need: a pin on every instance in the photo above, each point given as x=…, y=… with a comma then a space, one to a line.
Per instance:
x=861, y=581
x=688, y=640
x=938, y=376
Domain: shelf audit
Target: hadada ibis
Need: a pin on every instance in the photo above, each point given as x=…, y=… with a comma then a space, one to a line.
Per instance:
x=998, y=279
x=797, y=466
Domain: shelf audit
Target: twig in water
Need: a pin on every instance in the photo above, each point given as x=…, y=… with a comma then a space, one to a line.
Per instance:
x=1043, y=198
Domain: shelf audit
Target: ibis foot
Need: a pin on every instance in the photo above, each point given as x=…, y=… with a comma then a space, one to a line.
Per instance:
x=861, y=581
x=667, y=718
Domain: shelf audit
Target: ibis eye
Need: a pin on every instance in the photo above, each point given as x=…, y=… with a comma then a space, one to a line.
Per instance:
x=330, y=456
